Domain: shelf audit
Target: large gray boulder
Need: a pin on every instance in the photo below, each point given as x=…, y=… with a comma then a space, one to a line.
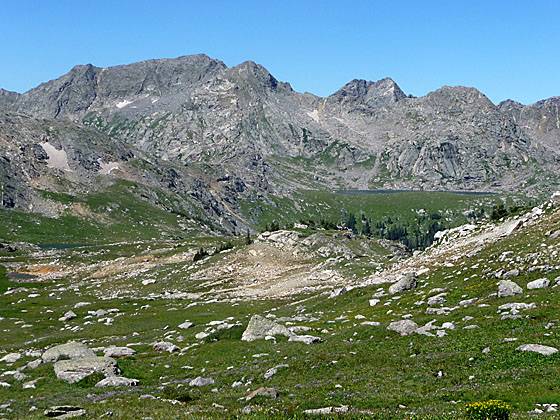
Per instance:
x=200, y=381
x=165, y=346
x=306, y=339
x=71, y=350
x=403, y=327
x=407, y=282
x=119, y=352
x=262, y=392
x=538, y=284
x=74, y=370
x=260, y=328
x=507, y=288
x=538, y=348
x=116, y=381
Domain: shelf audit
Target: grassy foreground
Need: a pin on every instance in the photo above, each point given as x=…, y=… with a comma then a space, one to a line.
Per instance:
x=376, y=372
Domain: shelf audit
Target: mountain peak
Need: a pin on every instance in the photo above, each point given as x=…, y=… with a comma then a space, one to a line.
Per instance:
x=447, y=96
x=254, y=74
x=379, y=93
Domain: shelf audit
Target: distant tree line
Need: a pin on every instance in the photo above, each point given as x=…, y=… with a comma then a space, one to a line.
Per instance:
x=415, y=233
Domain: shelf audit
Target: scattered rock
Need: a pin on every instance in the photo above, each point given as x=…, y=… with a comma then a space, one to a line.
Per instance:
x=11, y=358
x=260, y=327
x=538, y=284
x=407, y=282
x=306, y=339
x=71, y=350
x=403, y=327
x=538, y=348
x=116, y=381
x=327, y=410
x=75, y=370
x=373, y=302
x=68, y=316
x=119, y=352
x=437, y=299
x=273, y=371
x=508, y=288
x=200, y=381
x=185, y=325
x=262, y=392
x=165, y=346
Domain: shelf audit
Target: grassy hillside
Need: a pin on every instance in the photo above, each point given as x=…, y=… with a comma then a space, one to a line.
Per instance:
x=376, y=372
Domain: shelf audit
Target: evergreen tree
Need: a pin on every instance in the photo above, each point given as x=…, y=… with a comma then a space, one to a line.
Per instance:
x=366, y=228
x=351, y=222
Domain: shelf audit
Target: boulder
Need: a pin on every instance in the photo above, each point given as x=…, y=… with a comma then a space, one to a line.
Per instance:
x=538, y=348
x=71, y=350
x=538, y=284
x=262, y=392
x=403, y=327
x=343, y=409
x=200, y=381
x=437, y=299
x=11, y=358
x=185, y=325
x=116, y=381
x=508, y=288
x=511, y=273
x=68, y=316
x=273, y=371
x=260, y=327
x=306, y=339
x=119, y=352
x=74, y=370
x=165, y=346
x=407, y=282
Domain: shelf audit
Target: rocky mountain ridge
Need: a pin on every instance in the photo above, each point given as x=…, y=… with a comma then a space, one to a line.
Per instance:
x=242, y=127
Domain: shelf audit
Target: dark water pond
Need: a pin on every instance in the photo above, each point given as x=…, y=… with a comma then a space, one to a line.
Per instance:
x=383, y=191
x=60, y=246
x=20, y=276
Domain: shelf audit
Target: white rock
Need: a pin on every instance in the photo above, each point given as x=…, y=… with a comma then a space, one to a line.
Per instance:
x=403, y=327
x=70, y=350
x=116, y=381
x=165, y=346
x=538, y=348
x=185, y=325
x=11, y=358
x=200, y=381
x=118, y=352
x=538, y=284
x=260, y=327
x=75, y=370
x=508, y=288
x=407, y=282
x=306, y=339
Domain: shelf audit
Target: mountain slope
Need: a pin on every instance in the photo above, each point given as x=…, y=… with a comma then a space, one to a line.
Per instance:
x=241, y=126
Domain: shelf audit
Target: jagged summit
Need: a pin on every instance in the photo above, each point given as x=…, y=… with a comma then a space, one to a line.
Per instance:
x=194, y=111
x=381, y=92
x=257, y=75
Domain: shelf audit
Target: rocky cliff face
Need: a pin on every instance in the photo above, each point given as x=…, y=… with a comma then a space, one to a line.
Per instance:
x=242, y=124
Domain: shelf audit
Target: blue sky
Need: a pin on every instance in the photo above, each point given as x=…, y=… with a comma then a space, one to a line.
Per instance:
x=506, y=48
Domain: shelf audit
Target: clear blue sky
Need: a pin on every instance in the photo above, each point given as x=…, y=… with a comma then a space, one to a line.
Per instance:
x=506, y=48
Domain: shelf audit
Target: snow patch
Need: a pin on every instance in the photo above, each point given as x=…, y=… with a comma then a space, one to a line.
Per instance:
x=58, y=159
